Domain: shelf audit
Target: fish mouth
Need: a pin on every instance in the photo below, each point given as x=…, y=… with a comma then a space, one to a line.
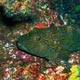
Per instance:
x=26, y=48
x=22, y=48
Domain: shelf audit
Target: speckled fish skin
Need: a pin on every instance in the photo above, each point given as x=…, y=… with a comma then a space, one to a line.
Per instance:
x=52, y=43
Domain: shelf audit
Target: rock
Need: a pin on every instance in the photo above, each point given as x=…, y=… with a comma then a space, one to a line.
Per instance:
x=17, y=10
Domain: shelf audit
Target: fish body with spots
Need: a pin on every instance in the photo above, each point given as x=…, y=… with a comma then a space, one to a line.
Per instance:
x=52, y=43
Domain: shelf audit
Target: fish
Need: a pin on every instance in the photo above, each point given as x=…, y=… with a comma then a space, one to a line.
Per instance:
x=53, y=43
x=40, y=25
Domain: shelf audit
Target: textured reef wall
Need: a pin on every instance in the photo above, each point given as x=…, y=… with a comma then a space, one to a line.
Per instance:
x=39, y=39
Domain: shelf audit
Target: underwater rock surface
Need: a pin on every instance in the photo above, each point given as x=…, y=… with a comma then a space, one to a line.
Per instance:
x=16, y=9
x=52, y=43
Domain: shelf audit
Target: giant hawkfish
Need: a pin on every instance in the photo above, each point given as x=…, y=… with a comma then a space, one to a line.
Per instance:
x=53, y=43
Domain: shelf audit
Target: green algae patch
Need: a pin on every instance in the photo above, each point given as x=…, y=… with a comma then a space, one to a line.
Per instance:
x=77, y=8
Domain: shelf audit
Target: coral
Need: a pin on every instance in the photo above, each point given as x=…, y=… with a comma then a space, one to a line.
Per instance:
x=75, y=72
x=17, y=10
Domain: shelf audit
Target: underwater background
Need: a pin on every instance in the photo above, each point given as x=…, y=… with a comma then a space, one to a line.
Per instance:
x=39, y=40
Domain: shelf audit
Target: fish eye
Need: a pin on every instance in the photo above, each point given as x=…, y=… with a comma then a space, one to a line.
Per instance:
x=38, y=38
